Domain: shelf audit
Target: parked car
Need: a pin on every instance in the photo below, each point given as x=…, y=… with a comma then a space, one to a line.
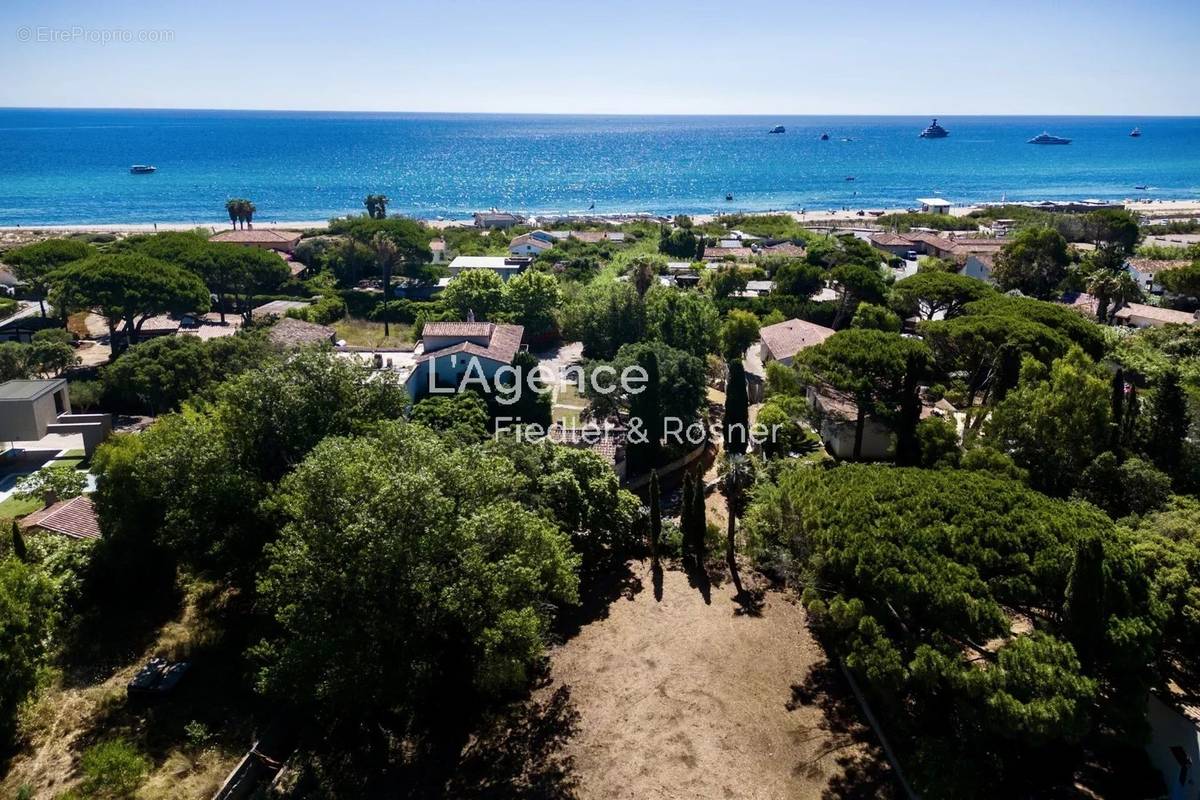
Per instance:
x=157, y=678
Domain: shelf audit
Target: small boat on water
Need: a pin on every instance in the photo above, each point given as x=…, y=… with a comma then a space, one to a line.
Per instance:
x=824, y=137
x=1045, y=138
x=934, y=131
x=142, y=169
x=1136, y=132
x=849, y=177
x=1143, y=188
x=777, y=129
x=728, y=197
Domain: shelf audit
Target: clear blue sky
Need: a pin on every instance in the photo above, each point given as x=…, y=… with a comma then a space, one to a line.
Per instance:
x=612, y=56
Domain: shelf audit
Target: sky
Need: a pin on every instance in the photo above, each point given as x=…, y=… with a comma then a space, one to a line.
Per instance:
x=924, y=57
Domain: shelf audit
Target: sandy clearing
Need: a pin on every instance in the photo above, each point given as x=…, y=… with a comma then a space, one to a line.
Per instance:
x=682, y=699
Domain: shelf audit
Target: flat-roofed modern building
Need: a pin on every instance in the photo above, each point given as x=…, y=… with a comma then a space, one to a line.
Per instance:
x=31, y=409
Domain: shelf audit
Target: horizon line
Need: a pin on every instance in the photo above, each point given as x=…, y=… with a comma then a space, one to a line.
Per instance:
x=1127, y=115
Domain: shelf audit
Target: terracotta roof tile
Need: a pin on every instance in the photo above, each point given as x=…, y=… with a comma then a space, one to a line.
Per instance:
x=785, y=339
x=75, y=518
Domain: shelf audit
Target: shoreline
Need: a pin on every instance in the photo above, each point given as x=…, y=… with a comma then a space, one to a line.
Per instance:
x=1151, y=208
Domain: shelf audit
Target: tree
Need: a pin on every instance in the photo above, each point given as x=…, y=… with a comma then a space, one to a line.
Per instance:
x=454, y=598
x=461, y=418
x=27, y=617
x=605, y=317
x=681, y=387
x=478, y=291
x=1121, y=488
x=1113, y=228
x=19, y=550
x=726, y=281
x=1114, y=287
x=875, y=368
x=738, y=333
x=655, y=516
x=34, y=264
x=687, y=523
x=1170, y=421
x=233, y=209
x=386, y=254
x=376, y=205
x=680, y=242
x=51, y=352
x=240, y=210
x=738, y=475
x=937, y=439
x=928, y=294
x=699, y=520
x=1056, y=421
x=855, y=283
x=129, y=288
x=736, y=423
x=234, y=272
x=410, y=237
x=646, y=414
x=1034, y=262
x=1184, y=280
x=51, y=484
x=878, y=318
x=797, y=279
x=645, y=271
x=532, y=298
x=684, y=320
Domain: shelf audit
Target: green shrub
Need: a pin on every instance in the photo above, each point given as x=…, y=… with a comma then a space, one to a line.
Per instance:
x=113, y=769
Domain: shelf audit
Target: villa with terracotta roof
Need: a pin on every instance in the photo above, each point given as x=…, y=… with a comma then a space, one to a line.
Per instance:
x=1146, y=270
x=266, y=238
x=450, y=353
x=781, y=341
x=1139, y=315
x=528, y=244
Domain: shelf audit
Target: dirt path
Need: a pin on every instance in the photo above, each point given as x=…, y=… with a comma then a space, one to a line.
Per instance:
x=682, y=699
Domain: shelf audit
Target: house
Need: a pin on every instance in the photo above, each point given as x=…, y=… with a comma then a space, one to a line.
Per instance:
x=277, y=308
x=504, y=266
x=1174, y=746
x=894, y=243
x=934, y=205
x=731, y=253
x=979, y=266
x=789, y=249
x=779, y=342
x=839, y=414
x=289, y=333
x=75, y=518
x=529, y=244
x=497, y=219
x=8, y=282
x=1145, y=272
x=451, y=352
x=757, y=289
x=265, y=238
x=437, y=247
x=1138, y=315
x=31, y=410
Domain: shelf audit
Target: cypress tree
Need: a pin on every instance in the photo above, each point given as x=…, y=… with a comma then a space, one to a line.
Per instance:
x=685, y=515
x=1168, y=423
x=699, y=522
x=737, y=410
x=655, y=515
x=1118, y=411
x=18, y=543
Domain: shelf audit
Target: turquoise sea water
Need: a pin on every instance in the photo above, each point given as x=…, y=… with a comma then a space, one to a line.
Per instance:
x=71, y=166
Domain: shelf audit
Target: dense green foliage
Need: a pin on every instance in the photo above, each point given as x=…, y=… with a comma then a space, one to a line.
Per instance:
x=914, y=576
x=1034, y=262
x=27, y=615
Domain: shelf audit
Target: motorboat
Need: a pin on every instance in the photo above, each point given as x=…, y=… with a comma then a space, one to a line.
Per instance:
x=1045, y=138
x=1136, y=132
x=934, y=131
x=777, y=129
x=824, y=137
x=142, y=169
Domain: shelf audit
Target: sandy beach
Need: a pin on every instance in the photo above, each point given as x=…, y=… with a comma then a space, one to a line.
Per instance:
x=1153, y=209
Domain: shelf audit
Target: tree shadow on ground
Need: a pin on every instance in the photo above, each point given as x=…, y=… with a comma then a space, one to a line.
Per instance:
x=518, y=755
x=698, y=579
x=656, y=577
x=597, y=591
x=862, y=769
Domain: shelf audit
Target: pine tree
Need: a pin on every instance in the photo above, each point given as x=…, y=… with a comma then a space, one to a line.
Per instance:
x=655, y=515
x=737, y=410
x=1084, y=605
x=1169, y=422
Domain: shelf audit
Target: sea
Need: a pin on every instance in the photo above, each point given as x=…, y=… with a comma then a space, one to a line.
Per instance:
x=71, y=166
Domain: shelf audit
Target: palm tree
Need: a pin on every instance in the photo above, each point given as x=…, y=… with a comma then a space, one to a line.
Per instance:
x=247, y=213
x=737, y=478
x=386, y=253
x=1111, y=286
x=376, y=205
x=233, y=209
